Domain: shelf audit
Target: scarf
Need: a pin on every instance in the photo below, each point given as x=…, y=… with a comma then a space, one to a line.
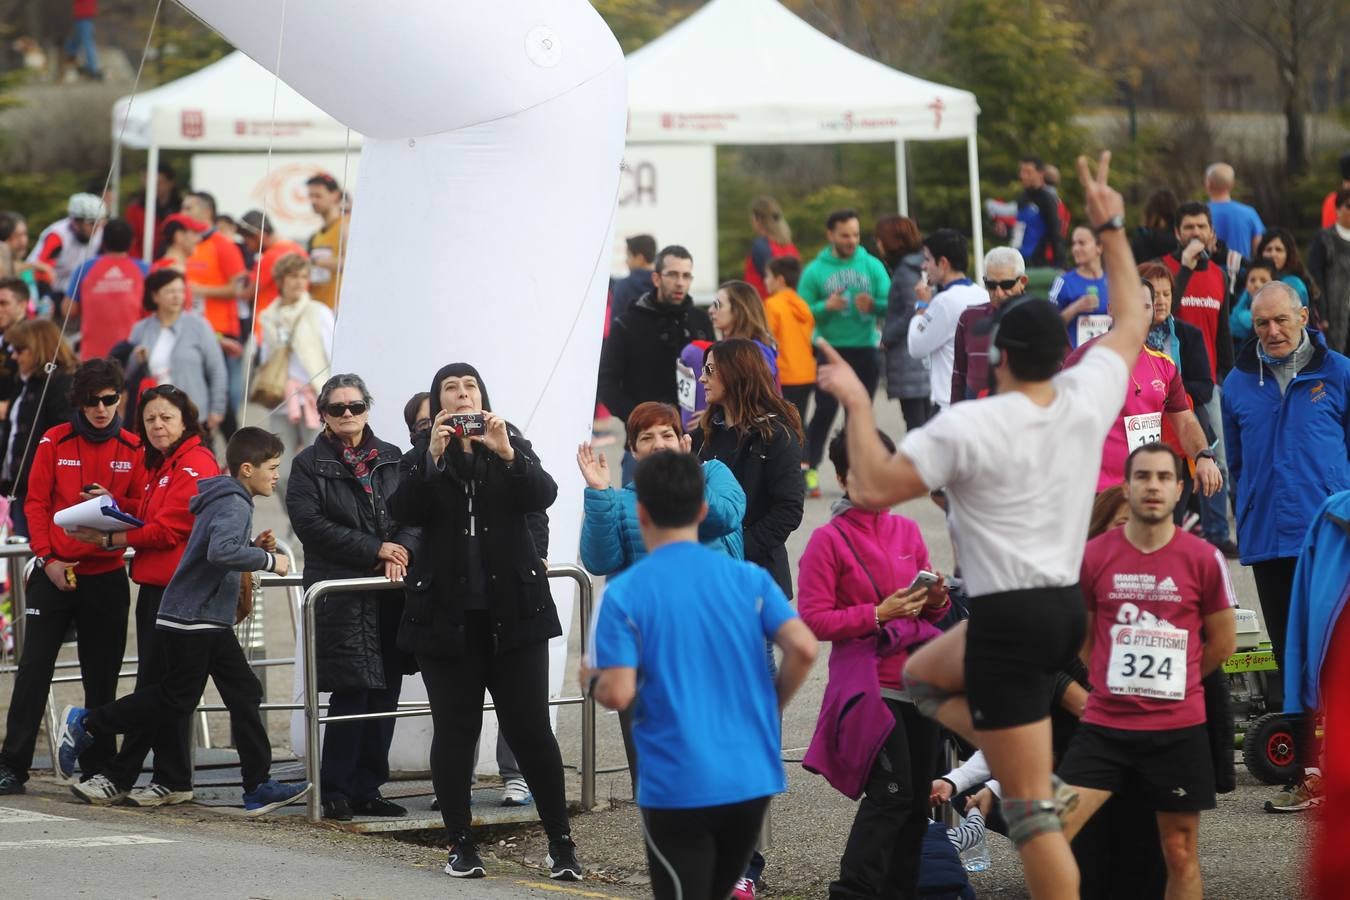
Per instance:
x=358, y=458
x=93, y=435
x=1302, y=350
x=1162, y=338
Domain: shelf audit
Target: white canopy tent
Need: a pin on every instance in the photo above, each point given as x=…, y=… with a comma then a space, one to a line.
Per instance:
x=227, y=105
x=751, y=72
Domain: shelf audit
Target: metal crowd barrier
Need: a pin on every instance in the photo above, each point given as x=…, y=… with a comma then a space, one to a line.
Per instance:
x=303, y=610
x=311, y=706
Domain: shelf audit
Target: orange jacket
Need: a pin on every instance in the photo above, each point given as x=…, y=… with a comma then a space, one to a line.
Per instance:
x=792, y=324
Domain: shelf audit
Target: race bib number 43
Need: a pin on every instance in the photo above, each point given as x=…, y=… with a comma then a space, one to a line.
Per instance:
x=1147, y=662
x=685, y=386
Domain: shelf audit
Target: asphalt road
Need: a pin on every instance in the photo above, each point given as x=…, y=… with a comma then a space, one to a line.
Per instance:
x=1245, y=852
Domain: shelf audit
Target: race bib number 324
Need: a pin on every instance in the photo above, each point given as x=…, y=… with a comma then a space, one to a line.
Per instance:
x=1147, y=662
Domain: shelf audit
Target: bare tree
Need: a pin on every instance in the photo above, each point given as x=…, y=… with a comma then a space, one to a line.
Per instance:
x=1293, y=33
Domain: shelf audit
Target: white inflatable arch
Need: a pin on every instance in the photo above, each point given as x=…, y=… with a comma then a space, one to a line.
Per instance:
x=481, y=231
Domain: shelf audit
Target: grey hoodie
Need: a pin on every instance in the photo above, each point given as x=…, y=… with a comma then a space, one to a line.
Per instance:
x=204, y=589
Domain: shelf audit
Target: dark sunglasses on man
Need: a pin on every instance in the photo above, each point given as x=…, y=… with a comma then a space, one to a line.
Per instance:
x=1006, y=284
x=104, y=400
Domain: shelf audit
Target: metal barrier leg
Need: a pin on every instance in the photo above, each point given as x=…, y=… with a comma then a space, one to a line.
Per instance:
x=315, y=802
x=18, y=593
x=52, y=727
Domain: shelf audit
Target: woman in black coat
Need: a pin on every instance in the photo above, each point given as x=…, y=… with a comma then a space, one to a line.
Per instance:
x=479, y=614
x=338, y=501
x=40, y=402
x=758, y=435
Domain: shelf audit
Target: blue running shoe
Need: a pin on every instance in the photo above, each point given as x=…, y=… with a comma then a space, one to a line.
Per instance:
x=272, y=794
x=73, y=740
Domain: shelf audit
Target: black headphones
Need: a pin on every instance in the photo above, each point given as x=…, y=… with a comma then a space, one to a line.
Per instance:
x=995, y=353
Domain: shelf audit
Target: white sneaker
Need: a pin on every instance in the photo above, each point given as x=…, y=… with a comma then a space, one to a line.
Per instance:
x=157, y=795
x=97, y=790
x=517, y=793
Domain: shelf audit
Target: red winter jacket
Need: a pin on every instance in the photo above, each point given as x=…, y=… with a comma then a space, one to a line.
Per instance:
x=163, y=508
x=62, y=465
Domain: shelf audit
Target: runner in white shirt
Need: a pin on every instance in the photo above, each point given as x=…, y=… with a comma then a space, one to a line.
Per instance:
x=992, y=678
x=932, y=336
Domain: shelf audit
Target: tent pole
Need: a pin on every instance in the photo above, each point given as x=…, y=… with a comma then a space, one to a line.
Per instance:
x=901, y=179
x=976, y=220
x=151, y=201
x=116, y=183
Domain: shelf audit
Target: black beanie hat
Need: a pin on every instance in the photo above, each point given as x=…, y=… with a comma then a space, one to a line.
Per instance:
x=456, y=370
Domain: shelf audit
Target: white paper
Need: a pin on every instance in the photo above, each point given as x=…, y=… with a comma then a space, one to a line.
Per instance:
x=100, y=513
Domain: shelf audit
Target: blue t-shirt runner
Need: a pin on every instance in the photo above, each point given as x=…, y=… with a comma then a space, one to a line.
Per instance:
x=693, y=623
x=1070, y=287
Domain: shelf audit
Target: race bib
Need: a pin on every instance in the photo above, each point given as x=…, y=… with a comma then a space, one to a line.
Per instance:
x=1147, y=662
x=318, y=274
x=1145, y=428
x=1091, y=326
x=686, y=386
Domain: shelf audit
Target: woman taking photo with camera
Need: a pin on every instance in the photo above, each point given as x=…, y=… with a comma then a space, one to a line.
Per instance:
x=338, y=503
x=478, y=612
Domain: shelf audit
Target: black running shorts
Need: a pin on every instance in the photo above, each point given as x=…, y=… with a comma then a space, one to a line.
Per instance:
x=1016, y=643
x=1169, y=771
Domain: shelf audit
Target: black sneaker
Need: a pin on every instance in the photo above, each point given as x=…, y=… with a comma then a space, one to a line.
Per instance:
x=9, y=782
x=562, y=860
x=378, y=806
x=463, y=861
x=337, y=808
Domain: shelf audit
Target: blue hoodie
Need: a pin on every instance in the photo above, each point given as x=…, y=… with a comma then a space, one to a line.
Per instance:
x=1321, y=588
x=204, y=590
x=611, y=540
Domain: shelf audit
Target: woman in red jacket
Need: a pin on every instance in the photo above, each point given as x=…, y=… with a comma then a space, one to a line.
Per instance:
x=74, y=582
x=175, y=460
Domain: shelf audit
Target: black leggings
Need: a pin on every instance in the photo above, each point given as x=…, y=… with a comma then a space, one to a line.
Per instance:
x=699, y=853
x=518, y=682
x=98, y=610
x=1274, y=584
x=916, y=411
x=865, y=362
x=881, y=858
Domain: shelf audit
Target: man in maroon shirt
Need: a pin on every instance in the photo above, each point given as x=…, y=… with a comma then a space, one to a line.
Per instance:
x=1005, y=277
x=1159, y=618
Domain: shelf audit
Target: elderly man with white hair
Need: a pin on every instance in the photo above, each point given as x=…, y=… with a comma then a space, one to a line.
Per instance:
x=1286, y=420
x=1005, y=277
x=1238, y=225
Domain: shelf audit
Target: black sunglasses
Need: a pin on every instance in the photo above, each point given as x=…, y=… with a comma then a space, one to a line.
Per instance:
x=104, y=400
x=707, y=368
x=1007, y=284
x=337, y=409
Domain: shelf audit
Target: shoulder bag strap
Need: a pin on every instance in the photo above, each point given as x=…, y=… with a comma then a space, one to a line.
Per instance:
x=854, y=550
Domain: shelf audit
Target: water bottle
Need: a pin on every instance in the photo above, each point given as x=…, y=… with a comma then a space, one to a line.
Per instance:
x=1093, y=293
x=977, y=859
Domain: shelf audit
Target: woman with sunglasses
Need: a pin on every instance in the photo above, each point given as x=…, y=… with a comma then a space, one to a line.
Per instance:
x=338, y=502
x=73, y=582
x=171, y=435
x=42, y=401
x=180, y=348
x=1080, y=292
x=736, y=312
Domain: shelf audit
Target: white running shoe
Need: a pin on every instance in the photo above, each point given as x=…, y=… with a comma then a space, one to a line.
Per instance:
x=98, y=791
x=157, y=795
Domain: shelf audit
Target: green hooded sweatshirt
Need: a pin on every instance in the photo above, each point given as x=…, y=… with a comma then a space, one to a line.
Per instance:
x=861, y=273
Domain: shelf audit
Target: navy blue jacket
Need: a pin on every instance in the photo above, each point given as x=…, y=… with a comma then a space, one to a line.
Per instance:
x=1285, y=453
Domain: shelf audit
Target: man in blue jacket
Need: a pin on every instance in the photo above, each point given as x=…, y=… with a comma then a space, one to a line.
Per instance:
x=1286, y=418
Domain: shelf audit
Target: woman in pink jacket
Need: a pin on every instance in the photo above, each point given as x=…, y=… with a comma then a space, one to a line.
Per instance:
x=856, y=589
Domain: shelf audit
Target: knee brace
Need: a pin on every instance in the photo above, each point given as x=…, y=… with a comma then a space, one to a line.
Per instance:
x=1028, y=819
x=928, y=698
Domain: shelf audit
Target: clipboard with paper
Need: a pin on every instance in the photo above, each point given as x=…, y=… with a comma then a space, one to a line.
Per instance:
x=100, y=513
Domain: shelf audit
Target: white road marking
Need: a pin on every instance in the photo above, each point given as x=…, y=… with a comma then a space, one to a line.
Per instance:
x=11, y=816
x=109, y=840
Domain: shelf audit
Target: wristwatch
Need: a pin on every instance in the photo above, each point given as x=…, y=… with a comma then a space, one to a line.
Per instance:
x=1115, y=223
x=1206, y=454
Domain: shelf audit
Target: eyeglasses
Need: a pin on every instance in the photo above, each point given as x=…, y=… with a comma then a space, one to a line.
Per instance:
x=1006, y=284
x=708, y=369
x=104, y=400
x=716, y=304
x=423, y=424
x=337, y=409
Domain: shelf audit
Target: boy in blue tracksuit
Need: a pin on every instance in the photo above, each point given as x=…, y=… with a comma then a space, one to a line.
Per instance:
x=196, y=619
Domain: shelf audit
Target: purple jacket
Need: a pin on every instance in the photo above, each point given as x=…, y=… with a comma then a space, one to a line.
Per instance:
x=854, y=721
